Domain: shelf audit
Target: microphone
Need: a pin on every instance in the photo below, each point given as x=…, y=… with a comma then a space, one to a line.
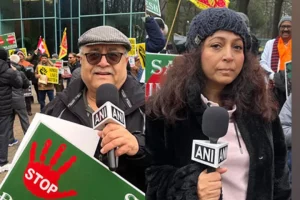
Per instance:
x=107, y=100
x=211, y=152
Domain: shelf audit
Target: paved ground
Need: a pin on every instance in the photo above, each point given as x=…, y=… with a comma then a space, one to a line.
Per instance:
x=19, y=133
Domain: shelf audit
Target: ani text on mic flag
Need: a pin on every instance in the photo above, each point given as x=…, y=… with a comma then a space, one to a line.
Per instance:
x=63, y=46
x=205, y=4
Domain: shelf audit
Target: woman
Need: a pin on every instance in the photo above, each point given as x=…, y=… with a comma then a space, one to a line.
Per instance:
x=218, y=70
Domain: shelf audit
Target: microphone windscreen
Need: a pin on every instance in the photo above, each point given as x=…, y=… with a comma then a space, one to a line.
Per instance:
x=107, y=93
x=215, y=122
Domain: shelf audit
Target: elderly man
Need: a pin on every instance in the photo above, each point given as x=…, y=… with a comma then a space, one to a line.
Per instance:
x=103, y=57
x=276, y=53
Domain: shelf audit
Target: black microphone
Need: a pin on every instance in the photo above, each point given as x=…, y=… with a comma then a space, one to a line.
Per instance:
x=214, y=125
x=107, y=100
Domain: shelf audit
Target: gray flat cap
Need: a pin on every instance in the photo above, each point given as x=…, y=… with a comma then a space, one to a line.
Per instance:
x=104, y=35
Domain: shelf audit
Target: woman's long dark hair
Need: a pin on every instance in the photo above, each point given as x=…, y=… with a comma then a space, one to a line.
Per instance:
x=185, y=82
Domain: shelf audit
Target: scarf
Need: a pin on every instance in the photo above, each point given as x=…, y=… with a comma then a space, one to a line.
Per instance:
x=285, y=53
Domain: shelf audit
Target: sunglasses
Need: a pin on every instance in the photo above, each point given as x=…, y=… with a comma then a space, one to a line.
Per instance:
x=112, y=58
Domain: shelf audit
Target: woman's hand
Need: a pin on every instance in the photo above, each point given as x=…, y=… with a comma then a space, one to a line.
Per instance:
x=209, y=184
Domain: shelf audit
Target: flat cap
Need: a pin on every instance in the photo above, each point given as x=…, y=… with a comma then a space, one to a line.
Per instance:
x=104, y=35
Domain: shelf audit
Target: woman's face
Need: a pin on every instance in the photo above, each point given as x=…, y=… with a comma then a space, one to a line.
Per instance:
x=222, y=58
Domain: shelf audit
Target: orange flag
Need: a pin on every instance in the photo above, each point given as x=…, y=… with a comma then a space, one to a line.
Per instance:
x=63, y=45
x=204, y=4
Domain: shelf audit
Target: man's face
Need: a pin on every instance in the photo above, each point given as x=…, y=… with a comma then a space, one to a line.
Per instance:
x=44, y=60
x=109, y=69
x=71, y=58
x=285, y=30
x=21, y=56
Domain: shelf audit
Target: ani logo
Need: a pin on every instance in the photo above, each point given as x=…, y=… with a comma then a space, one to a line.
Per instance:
x=5, y=196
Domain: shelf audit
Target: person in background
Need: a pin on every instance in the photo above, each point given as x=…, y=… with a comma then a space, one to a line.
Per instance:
x=29, y=73
x=218, y=70
x=44, y=89
x=286, y=122
x=9, y=77
x=155, y=39
x=34, y=59
x=60, y=86
x=276, y=53
x=73, y=64
x=18, y=102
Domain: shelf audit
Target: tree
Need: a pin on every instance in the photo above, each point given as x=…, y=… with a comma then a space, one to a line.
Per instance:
x=242, y=6
x=276, y=17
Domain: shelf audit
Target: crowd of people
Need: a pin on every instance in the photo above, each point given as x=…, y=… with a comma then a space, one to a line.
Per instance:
x=219, y=68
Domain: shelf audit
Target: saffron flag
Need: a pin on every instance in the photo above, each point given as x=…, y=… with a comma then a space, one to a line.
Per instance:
x=63, y=45
x=43, y=47
x=204, y=4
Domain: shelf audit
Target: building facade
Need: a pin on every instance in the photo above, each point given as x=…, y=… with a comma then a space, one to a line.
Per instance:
x=30, y=19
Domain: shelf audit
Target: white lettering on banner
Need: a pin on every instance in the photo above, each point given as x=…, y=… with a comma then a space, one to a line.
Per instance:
x=130, y=197
x=157, y=68
x=44, y=184
x=5, y=196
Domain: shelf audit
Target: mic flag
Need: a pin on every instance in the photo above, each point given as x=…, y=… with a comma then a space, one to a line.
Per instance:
x=212, y=155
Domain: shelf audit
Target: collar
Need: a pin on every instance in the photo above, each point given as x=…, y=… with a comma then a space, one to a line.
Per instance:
x=207, y=102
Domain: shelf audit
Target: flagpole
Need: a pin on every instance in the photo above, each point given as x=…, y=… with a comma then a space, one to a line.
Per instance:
x=178, y=6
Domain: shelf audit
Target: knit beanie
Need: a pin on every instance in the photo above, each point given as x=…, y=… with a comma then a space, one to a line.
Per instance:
x=18, y=51
x=3, y=54
x=283, y=19
x=208, y=21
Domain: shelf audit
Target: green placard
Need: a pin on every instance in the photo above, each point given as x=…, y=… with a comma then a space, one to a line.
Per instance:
x=153, y=6
x=157, y=66
x=50, y=167
x=8, y=41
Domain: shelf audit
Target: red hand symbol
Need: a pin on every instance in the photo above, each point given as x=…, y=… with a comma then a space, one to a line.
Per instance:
x=42, y=180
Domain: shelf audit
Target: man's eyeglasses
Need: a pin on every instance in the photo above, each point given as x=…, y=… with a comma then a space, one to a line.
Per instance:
x=70, y=57
x=285, y=26
x=112, y=58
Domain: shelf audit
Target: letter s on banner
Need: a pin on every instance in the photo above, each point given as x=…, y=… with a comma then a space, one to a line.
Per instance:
x=5, y=196
x=128, y=197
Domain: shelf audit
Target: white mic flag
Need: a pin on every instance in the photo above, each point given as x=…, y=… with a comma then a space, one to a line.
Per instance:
x=209, y=154
x=108, y=113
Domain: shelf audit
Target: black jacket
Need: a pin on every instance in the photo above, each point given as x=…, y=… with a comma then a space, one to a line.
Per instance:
x=156, y=40
x=18, y=98
x=173, y=175
x=8, y=79
x=69, y=105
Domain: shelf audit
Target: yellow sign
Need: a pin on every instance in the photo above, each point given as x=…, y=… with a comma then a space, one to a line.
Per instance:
x=141, y=51
x=132, y=52
x=50, y=72
x=11, y=51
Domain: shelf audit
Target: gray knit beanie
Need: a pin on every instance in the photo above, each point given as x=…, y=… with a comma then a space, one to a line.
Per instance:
x=283, y=19
x=208, y=21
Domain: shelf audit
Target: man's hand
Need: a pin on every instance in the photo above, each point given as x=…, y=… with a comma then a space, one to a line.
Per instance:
x=114, y=135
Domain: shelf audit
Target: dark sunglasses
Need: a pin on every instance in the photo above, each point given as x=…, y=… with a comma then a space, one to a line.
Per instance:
x=70, y=57
x=112, y=58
